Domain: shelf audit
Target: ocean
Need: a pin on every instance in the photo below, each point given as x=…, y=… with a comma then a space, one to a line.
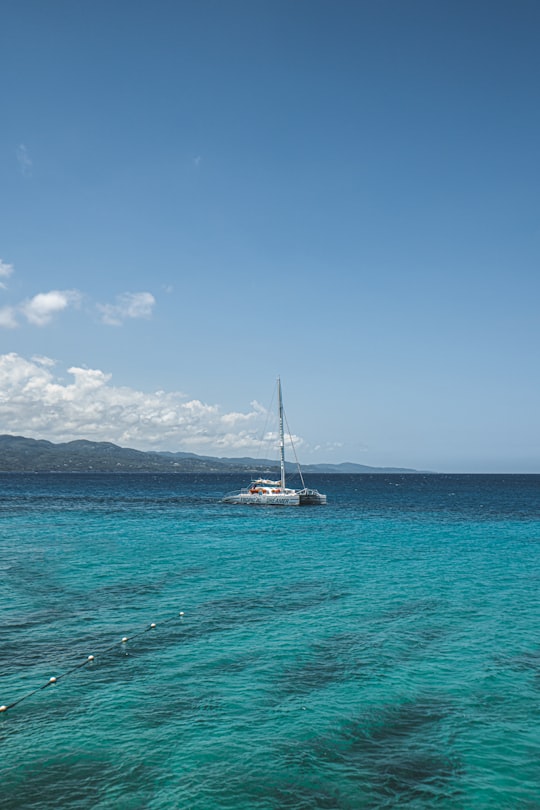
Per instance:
x=381, y=651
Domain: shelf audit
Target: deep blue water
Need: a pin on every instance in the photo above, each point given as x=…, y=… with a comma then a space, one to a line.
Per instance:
x=382, y=651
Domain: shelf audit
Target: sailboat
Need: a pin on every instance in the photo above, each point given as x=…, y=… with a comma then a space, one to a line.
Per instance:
x=263, y=492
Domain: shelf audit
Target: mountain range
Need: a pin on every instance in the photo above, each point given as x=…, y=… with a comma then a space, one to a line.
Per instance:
x=21, y=454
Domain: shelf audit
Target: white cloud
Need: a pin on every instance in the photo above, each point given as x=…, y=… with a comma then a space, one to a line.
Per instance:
x=41, y=309
x=128, y=305
x=36, y=402
x=8, y=318
x=42, y=360
x=24, y=160
x=5, y=271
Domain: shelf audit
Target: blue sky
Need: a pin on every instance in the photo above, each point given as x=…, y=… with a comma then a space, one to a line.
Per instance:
x=198, y=196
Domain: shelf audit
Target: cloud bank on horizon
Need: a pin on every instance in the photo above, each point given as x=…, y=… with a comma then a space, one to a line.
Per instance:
x=37, y=403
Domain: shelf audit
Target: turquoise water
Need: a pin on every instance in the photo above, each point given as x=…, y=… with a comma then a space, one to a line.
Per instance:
x=382, y=651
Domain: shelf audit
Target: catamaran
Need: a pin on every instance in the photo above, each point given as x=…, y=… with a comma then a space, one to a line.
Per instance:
x=263, y=492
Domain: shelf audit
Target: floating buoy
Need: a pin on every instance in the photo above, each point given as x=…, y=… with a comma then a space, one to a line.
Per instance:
x=55, y=678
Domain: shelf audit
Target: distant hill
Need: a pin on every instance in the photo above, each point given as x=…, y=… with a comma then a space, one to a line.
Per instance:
x=20, y=454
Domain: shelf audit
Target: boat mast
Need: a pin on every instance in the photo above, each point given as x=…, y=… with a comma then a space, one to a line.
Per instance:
x=281, y=435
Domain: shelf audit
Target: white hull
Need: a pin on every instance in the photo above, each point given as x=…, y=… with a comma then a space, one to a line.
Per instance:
x=305, y=497
x=262, y=500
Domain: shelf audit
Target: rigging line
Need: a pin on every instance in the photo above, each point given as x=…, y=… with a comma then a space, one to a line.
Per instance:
x=294, y=450
x=88, y=660
x=262, y=443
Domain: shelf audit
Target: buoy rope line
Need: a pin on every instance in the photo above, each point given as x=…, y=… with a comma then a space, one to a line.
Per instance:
x=88, y=660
